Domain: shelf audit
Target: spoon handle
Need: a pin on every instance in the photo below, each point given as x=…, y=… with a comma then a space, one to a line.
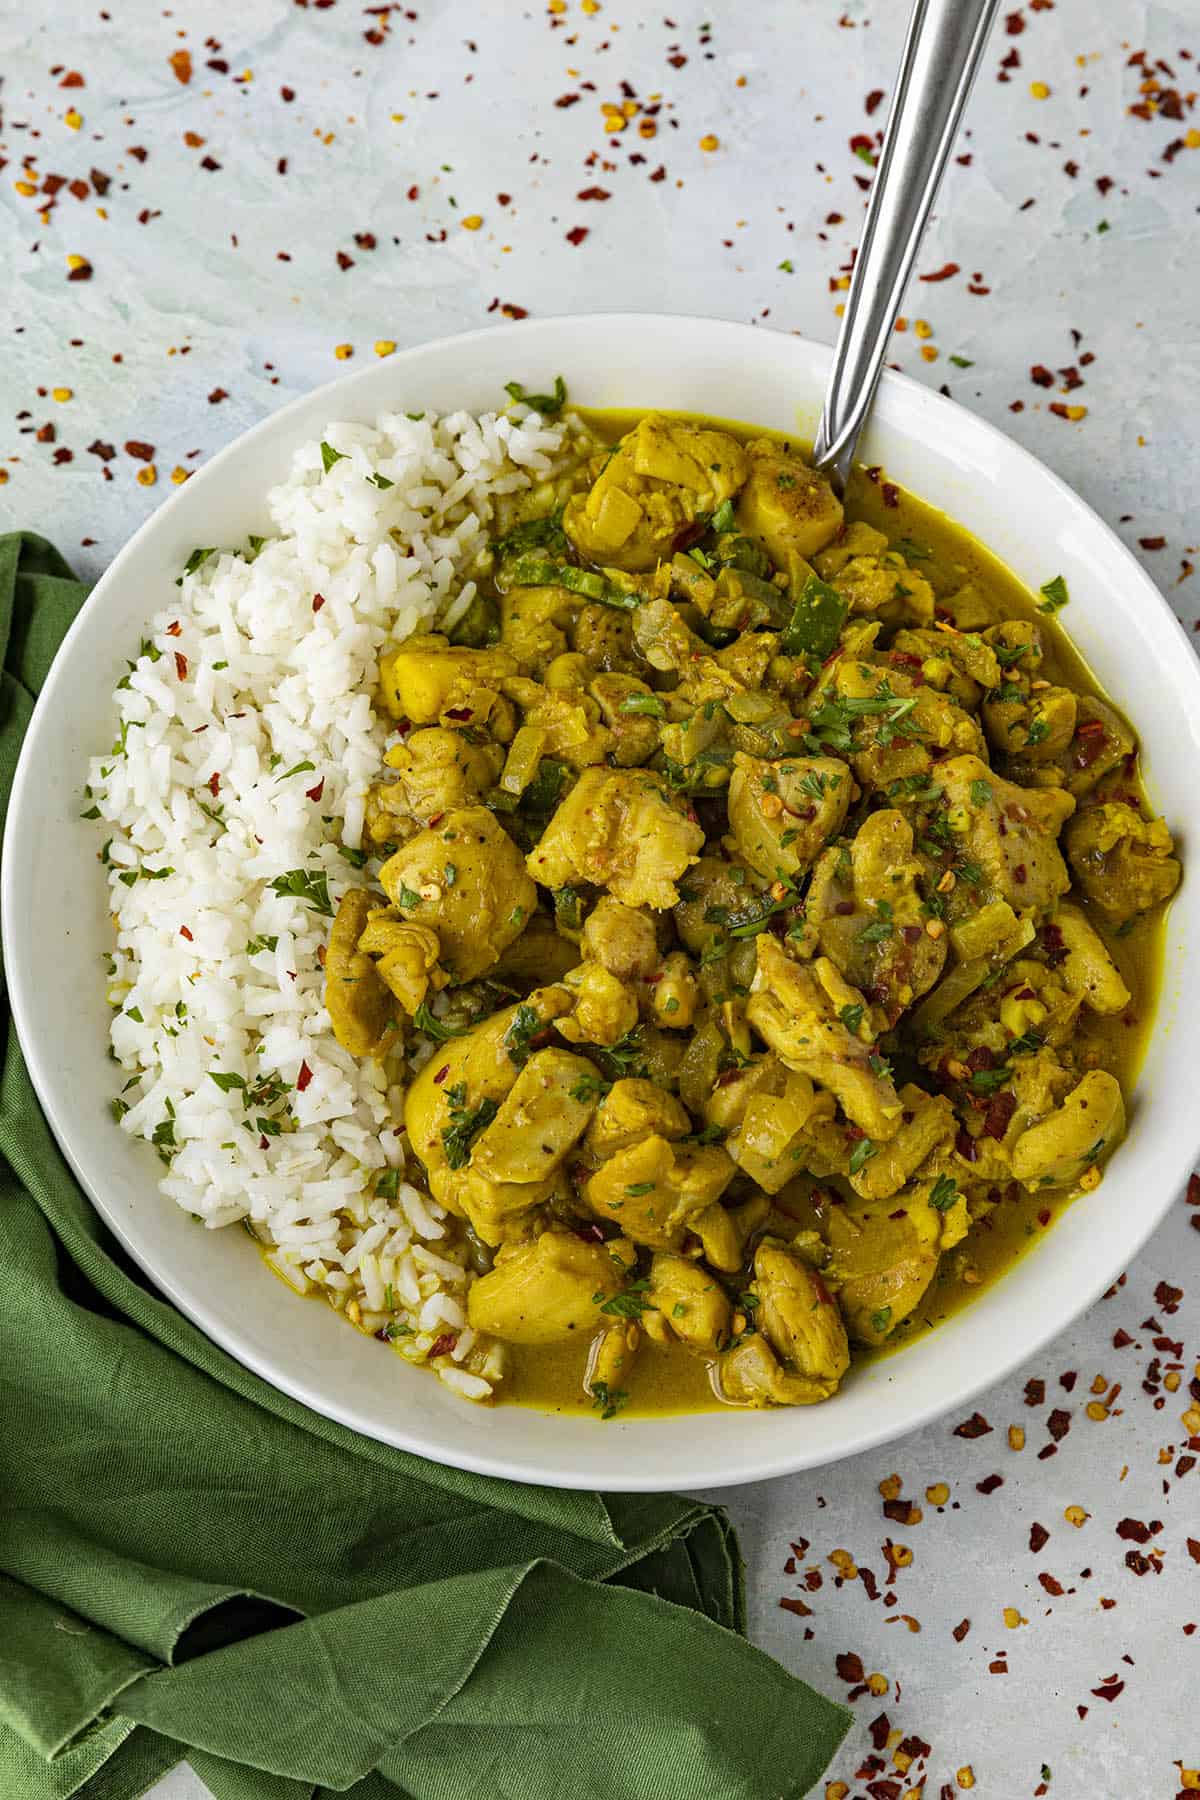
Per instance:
x=942, y=49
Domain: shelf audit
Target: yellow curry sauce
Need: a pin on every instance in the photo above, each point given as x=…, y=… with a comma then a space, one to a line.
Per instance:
x=711, y=601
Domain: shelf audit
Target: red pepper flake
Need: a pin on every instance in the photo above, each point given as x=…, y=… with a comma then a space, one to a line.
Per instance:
x=1168, y=1297
x=593, y=193
x=262, y=1144
x=1108, y=1690
x=1035, y=1391
x=1039, y=1537
x=1041, y=376
x=789, y=1604
x=287, y=95
x=1014, y=24
x=344, y=262
x=181, y=64
x=577, y=234
x=974, y=1427
x=1058, y=1424
x=218, y=394
x=181, y=665
x=890, y=492
x=879, y=1729
x=942, y=274
x=303, y=1078
x=989, y=1484
x=46, y=433
x=80, y=271
x=974, y=287
x=1193, y=1546
x=999, y=1114
x=142, y=452
x=874, y=99
x=214, y=784
x=442, y=1346
x=441, y=1074
x=318, y=602
x=1136, y=1531
x=105, y=452
x=960, y=1630
x=185, y=933
x=849, y=1666
x=1121, y=1339
x=314, y=793
x=902, y=1512
x=565, y=100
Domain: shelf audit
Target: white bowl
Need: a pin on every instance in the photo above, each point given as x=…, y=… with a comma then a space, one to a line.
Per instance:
x=56, y=928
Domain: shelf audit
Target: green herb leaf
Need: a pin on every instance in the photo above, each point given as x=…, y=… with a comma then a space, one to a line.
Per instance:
x=881, y=1320
x=549, y=405
x=981, y=793
x=435, y=1028
x=300, y=884
x=226, y=1080
x=380, y=481
x=258, y=944
x=465, y=1126
x=1054, y=595
x=526, y=1023
x=631, y=1303
x=722, y=519
x=862, y=1153
x=300, y=768
x=943, y=1193
x=852, y=1018
x=962, y=362
x=387, y=1187
x=608, y=1401
x=329, y=456
x=589, y=1088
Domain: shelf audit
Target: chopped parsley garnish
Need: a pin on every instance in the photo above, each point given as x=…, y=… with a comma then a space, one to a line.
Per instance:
x=862, y=1153
x=989, y=1081
x=465, y=1125
x=329, y=456
x=387, y=1187
x=630, y=1303
x=722, y=519
x=1054, y=595
x=256, y=945
x=981, y=793
x=435, y=1028
x=943, y=1193
x=852, y=1018
x=549, y=405
x=881, y=1321
x=356, y=858
x=195, y=561
x=301, y=884
x=608, y=1401
x=380, y=481
x=1039, y=729
x=589, y=1088
x=408, y=897
x=226, y=1080
x=525, y=1024
x=300, y=768
x=882, y=926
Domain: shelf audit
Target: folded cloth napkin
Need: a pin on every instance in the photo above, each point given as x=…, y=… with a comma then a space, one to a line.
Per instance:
x=194, y=1566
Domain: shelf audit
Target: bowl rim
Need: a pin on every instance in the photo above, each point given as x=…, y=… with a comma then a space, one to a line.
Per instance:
x=924, y=406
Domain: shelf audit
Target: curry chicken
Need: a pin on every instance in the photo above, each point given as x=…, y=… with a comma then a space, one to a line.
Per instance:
x=759, y=902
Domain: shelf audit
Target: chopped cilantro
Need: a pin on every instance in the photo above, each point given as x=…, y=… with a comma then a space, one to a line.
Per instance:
x=329, y=456
x=301, y=884
x=862, y=1153
x=549, y=405
x=465, y=1125
x=943, y=1193
x=1054, y=595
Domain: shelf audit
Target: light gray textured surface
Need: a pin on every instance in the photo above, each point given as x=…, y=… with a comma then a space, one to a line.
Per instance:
x=186, y=258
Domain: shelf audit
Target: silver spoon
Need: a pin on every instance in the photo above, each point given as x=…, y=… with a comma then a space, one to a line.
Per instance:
x=942, y=50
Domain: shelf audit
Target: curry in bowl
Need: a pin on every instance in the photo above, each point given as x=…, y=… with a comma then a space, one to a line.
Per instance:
x=765, y=907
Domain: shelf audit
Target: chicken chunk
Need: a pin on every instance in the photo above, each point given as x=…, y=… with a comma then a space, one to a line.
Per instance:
x=465, y=877
x=631, y=1110
x=928, y=1124
x=798, y=1316
x=1012, y=832
x=620, y=829
x=692, y=1302
x=407, y=957
x=653, y=1188
x=1090, y=1121
x=533, y=624
x=604, y=1010
x=621, y=938
x=875, y=581
x=782, y=813
x=1123, y=863
x=362, y=1009
x=514, y=1161
x=1088, y=969
x=788, y=507
x=436, y=770
x=791, y=1008
x=661, y=477
x=481, y=1065
x=880, y=942
x=883, y=1256
x=764, y=1110
x=549, y=1289
x=429, y=681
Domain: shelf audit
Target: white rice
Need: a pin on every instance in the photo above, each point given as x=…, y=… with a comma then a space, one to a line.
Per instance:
x=247, y=741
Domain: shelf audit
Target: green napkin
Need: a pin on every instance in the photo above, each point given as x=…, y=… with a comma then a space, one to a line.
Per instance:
x=193, y=1565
